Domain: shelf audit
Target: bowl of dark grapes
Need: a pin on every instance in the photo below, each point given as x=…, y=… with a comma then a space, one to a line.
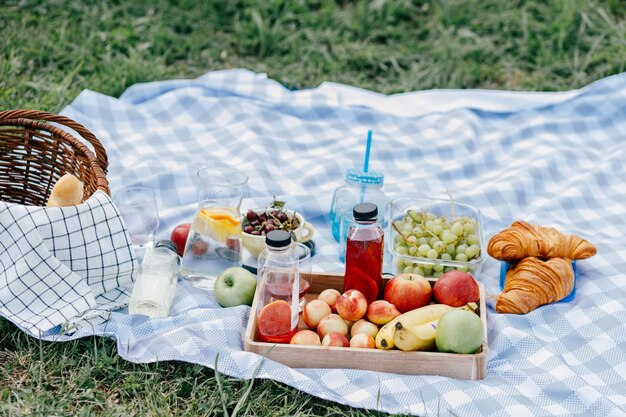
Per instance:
x=258, y=222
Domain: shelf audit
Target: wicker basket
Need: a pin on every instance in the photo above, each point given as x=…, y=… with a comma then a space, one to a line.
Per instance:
x=34, y=154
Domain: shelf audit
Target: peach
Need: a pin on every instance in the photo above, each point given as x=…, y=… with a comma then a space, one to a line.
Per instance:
x=329, y=296
x=351, y=305
x=314, y=311
x=335, y=339
x=332, y=323
x=381, y=312
x=364, y=326
x=456, y=288
x=362, y=340
x=408, y=292
x=306, y=337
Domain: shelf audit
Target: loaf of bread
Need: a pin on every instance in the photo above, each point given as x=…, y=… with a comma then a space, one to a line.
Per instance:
x=68, y=191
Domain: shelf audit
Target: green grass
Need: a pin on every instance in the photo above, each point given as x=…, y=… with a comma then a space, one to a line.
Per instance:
x=51, y=50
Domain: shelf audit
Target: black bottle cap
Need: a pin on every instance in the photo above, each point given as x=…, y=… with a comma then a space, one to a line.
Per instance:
x=365, y=211
x=278, y=239
x=166, y=244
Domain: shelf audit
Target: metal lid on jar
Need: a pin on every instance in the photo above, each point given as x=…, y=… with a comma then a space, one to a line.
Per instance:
x=361, y=177
x=278, y=239
x=166, y=244
x=365, y=211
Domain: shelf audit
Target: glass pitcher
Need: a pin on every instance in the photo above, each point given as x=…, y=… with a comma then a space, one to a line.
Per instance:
x=214, y=242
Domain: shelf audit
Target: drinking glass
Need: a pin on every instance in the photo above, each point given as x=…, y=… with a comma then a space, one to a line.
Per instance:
x=138, y=208
x=303, y=254
x=214, y=242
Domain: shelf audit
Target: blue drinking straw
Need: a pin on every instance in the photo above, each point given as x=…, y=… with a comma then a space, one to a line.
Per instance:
x=367, y=161
x=367, y=150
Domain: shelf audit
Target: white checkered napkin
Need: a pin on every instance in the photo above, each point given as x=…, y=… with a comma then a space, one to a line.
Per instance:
x=86, y=245
x=37, y=291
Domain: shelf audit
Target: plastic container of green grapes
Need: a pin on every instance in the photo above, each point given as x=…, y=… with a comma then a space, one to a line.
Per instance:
x=431, y=236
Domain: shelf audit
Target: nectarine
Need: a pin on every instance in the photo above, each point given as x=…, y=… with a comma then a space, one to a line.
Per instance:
x=351, y=305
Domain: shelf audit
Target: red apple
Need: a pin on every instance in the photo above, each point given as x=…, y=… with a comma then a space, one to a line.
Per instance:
x=314, y=311
x=456, y=288
x=179, y=237
x=199, y=247
x=351, y=305
x=408, y=292
x=381, y=312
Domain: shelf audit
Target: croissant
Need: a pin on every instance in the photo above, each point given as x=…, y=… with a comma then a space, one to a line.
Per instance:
x=533, y=283
x=523, y=239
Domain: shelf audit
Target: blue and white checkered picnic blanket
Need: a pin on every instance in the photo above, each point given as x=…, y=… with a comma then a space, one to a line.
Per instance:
x=551, y=158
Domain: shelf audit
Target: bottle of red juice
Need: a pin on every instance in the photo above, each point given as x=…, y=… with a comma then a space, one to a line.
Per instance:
x=364, y=252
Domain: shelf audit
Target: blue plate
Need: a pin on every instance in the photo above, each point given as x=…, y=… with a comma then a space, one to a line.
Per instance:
x=504, y=266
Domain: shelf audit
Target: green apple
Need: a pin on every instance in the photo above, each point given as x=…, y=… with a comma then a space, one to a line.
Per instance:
x=459, y=331
x=235, y=286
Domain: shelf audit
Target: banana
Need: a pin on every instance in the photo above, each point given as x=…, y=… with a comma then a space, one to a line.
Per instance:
x=421, y=337
x=385, y=339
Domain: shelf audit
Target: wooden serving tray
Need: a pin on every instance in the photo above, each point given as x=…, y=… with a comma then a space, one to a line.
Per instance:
x=452, y=365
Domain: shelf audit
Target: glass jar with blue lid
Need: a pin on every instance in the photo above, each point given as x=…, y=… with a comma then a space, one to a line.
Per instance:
x=359, y=187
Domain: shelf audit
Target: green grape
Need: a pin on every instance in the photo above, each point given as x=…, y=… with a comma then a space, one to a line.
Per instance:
x=461, y=248
x=469, y=228
x=446, y=256
x=419, y=231
x=412, y=250
x=415, y=215
x=428, y=268
x=461, y=257
x=411, y=239
x=451, y=249
x=422, y=241
x=439, y=246
x=432, y=241
x=437, y=221
x=407, y=228
x=463, y=268
x=400, y=264
x=448, y=269
x=419, y=271
x=438, y=268
x=429, y=225
x=457, y=228
x=423, y=250
x=399, y=239
x=472, y=251
x=430, y=216
x=472, y=239
x=447, y=236
x=407, y=270
x=432, y=254
x=402, y=250
x=437, y=274
x=438, y=229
